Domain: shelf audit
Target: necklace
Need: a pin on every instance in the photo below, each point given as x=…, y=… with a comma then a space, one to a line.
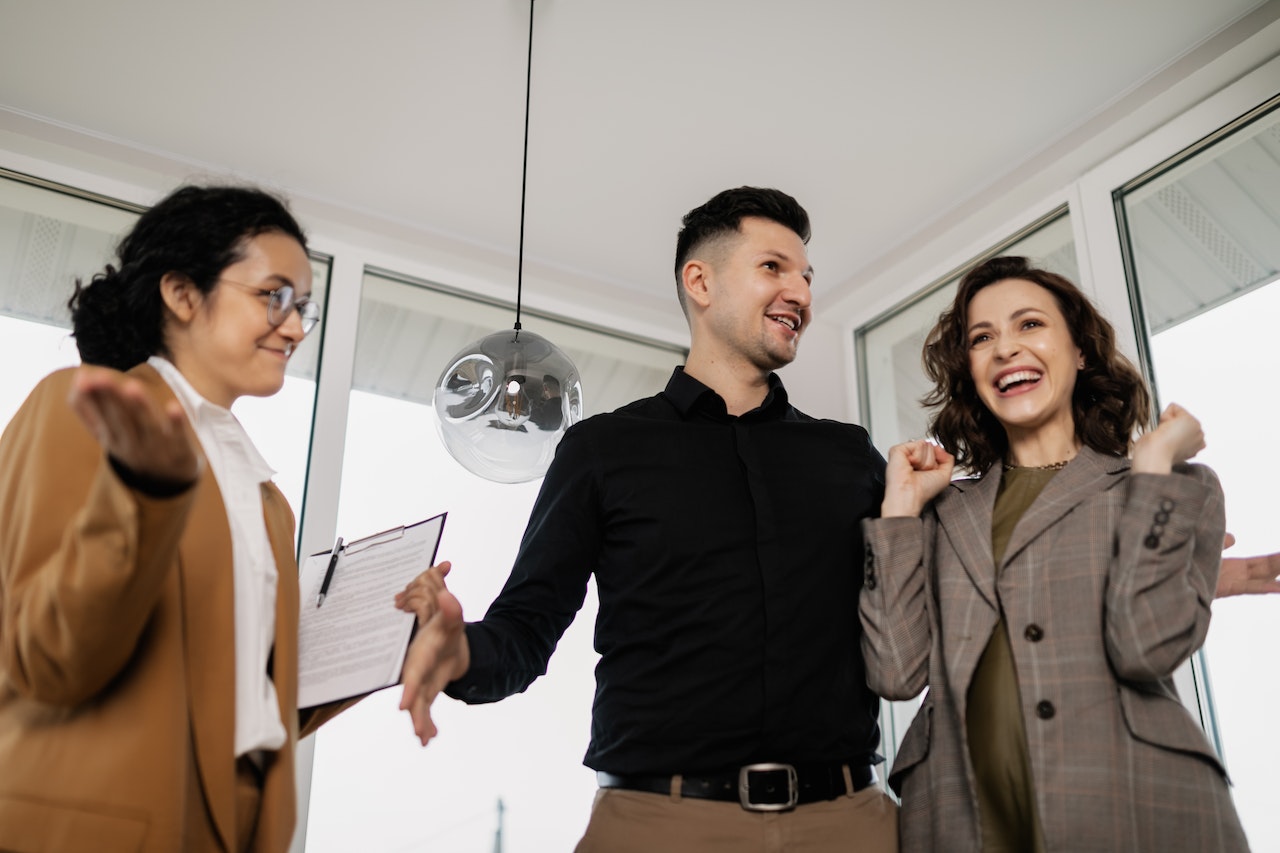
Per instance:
x=1052, y=466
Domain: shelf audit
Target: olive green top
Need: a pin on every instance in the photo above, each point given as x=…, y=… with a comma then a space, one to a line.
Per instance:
x=996, y=732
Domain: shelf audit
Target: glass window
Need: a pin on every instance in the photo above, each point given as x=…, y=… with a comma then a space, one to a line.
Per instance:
x=48, y=239
x=1202, y=234
x=519, y=760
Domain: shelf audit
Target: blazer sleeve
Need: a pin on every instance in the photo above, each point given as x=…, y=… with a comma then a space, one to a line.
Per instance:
x=83, y=558
x=894, y=605
x=1167, y=553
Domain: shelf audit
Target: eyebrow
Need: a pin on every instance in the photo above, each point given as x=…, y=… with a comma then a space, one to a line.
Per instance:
x=785, y=257
x=284, y=279
x=984, y=324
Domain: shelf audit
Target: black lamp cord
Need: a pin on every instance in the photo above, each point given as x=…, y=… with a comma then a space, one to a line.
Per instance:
x=524, y=170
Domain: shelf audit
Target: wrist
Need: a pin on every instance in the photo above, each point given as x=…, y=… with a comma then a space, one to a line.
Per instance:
x=1151, y=463
x=900, y=508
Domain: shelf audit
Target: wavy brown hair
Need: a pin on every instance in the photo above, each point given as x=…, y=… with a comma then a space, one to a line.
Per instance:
x=1110, y=402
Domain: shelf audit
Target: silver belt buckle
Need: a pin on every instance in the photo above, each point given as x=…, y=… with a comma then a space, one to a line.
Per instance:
x=744, y=787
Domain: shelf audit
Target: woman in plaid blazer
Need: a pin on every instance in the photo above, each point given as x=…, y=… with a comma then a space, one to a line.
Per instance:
x=1046, y=602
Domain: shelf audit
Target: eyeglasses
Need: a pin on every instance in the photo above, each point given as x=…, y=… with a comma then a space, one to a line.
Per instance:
x=282, y=301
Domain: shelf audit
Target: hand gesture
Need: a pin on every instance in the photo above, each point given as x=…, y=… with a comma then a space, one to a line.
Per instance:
x=1177, y=439
x=917, y=472
x=421, y=595
x=1247, y=575
x=149, y=440
x=438, y=654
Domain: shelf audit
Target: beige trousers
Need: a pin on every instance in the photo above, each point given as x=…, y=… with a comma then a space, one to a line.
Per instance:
x=635, y=822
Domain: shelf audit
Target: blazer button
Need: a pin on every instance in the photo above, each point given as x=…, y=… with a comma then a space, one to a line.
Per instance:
x=1034, y=633
x=1045, y=710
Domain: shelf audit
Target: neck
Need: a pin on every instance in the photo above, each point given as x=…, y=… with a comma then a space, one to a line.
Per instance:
x=743, y=388
x=1042, y=447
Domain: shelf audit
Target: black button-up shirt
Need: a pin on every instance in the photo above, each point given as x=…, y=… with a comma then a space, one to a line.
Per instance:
x=728, y=560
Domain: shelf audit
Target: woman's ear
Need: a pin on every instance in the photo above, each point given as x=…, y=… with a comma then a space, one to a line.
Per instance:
x=181, y=296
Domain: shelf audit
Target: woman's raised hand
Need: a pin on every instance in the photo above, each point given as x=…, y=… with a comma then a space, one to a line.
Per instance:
x=148, y=439
x=917, y=472
x=1178, y=438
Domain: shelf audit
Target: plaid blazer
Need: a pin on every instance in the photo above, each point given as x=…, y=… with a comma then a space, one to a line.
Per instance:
x=1106, y=588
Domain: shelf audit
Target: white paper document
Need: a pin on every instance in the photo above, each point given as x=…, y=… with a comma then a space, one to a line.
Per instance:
x=356, y=641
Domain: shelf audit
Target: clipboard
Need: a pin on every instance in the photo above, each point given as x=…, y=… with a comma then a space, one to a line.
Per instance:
x=356, y=642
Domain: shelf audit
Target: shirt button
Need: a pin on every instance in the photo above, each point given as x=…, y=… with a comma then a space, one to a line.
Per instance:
x=870, y=582
x=1166, y=505
x=1034, y=633
x=1045, y=710
x=1152, y=541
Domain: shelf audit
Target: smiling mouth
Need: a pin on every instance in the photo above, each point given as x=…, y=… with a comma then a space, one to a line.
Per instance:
x=1017, y=378
x=790, y=322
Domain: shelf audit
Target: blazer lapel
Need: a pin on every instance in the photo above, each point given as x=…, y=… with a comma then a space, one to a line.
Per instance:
x=965, y=517
x=208, y=603
x=277, y=818
x=1086, y=475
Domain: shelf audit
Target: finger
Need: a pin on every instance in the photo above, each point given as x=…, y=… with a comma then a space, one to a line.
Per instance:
x=1263, y=568
x=1228, y=540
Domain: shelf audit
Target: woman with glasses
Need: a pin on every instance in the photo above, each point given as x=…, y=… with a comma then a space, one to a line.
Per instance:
x=148, y=588
x=1046, y=601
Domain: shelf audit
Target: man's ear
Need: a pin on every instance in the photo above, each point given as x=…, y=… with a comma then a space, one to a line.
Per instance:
x=181, y=296
x=695, y=278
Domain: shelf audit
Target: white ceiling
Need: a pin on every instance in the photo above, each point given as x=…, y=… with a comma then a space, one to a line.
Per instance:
x=881, y=118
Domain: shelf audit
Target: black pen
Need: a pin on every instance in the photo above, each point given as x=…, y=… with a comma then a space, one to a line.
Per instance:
x=328, y=573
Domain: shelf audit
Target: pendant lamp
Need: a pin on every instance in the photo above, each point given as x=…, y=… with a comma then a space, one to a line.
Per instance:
x=504, y=401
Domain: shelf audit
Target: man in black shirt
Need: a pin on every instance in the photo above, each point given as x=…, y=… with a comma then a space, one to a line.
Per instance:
x=723, y=527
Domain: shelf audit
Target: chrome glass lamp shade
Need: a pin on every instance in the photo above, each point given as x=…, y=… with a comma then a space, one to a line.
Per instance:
x=503, y=404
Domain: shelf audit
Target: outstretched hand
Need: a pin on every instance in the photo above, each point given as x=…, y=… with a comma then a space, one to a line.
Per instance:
x=148, y=439
x=438, y=654
x=917, y=472
x=1247, y=575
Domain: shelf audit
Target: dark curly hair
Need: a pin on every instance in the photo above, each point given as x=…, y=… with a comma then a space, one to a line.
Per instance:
x=723, y=214
x=118, y=318
x=1110, y=402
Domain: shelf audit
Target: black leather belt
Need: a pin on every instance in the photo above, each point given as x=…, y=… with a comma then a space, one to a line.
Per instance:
x=756, y=787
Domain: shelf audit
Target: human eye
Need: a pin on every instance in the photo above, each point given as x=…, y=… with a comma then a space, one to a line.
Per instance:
x=770, y=265
x=978, y=339
x=1032, y=323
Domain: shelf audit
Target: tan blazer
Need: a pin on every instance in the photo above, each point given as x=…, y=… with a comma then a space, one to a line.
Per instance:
x=117, y=656
x=1106, y=588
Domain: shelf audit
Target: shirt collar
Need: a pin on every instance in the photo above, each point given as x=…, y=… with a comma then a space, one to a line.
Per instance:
x=691, y=397
x=210, y=420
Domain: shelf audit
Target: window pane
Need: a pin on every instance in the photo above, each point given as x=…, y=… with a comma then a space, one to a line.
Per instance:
x=1204, y=235
x=373, y=788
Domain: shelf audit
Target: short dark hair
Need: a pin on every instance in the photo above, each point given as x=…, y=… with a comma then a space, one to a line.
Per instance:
x=723, y=214
x=1110, y=401
x=118, y=317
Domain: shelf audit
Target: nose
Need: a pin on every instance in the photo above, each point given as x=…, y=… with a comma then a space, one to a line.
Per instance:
x=798, y=292
x=1006, y=347
x=291, y=328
